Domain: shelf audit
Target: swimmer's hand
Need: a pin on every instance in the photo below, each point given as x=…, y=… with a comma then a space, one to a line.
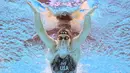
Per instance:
x=32, y=6
x=92, y=10
x=36, y=6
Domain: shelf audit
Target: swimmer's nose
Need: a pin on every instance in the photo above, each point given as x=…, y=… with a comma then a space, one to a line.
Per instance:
x=63, y=42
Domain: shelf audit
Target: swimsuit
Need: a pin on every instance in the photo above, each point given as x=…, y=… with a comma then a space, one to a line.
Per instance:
x=63, y=65
x=63, y=62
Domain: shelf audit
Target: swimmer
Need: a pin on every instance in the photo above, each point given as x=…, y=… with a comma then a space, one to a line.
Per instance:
x=64, y=50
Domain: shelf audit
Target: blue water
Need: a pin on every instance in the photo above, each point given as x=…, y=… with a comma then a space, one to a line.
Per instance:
x=106, y=50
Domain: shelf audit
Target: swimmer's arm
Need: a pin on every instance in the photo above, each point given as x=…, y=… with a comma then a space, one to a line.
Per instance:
x=49, y=42
x=77, y=41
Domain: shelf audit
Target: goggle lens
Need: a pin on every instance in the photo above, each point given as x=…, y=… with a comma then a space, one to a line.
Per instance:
x=65, y=38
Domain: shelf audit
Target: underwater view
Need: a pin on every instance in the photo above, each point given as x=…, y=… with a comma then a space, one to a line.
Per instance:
x=105, y=50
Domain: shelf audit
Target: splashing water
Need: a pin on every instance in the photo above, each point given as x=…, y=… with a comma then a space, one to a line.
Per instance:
x=106, y=49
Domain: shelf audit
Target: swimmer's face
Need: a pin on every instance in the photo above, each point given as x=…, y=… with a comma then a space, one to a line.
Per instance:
x=64, y=37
